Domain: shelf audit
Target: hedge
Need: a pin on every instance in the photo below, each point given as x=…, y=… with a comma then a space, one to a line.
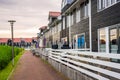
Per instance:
x=6, y=55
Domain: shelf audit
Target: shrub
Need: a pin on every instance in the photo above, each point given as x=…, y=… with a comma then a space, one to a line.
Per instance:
x=6, y=55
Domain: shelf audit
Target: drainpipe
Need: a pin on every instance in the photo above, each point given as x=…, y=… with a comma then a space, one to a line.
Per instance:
x=90, y=27
x=70, y=44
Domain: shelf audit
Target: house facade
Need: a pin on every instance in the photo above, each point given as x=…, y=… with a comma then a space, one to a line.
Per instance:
x=54, y=26
x=105, y=25
x=92, y=24
x=76, y=23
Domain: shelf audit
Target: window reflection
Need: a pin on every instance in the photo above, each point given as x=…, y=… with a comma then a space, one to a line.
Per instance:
x=113, y=41
x=102, y=40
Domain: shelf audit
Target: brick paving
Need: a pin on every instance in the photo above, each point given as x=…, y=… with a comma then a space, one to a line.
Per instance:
x=33, y=68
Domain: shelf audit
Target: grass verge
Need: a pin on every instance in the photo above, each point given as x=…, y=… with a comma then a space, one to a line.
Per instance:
x=4, y=74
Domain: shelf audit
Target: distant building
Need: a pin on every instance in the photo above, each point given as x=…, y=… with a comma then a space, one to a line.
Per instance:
x=43, y=37
x=54, y=27
x=18, y=42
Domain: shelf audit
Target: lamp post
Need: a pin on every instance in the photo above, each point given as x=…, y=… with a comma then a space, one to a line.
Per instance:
x=11, y=23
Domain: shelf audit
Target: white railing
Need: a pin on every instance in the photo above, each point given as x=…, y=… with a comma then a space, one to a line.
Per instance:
x=97, y=65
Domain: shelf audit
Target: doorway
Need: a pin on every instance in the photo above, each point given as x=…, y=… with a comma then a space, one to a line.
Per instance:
x=114, y=35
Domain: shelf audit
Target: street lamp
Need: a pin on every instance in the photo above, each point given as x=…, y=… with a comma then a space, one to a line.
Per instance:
x=11, y=23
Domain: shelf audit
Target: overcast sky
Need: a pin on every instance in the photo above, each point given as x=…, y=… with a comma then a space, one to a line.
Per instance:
x=29, y=16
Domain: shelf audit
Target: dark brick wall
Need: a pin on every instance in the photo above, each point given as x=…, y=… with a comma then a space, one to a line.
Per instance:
x=81, y=27
x=101, y=19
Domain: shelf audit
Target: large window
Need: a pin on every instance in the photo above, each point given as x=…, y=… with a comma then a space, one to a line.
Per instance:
x=102, y=40
x=109, y=39
x=102, y=4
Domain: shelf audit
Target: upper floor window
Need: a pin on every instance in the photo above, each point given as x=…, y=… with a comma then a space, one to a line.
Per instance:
x=102, y=4
x=78, y=15
x=84, y=10
x=67, y=21
x=65, y=2
x=71, y=19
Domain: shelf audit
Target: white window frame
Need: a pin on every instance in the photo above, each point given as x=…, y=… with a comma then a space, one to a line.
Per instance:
x=67, y=22
x=100, y=3
x=59, y=27
x=106, y=39
x=72, y=21
x=86, y=7
x=63, y=23
x=78, y=15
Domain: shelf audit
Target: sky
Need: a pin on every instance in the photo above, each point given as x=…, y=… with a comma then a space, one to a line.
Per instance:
x=30, y=15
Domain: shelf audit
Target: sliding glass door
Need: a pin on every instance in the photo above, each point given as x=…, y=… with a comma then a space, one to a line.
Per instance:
x=113, y=40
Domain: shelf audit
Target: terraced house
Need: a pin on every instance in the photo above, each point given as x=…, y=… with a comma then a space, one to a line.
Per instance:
x=76, y=23
x=54, y=27
x=105, y=16
x=92, y=24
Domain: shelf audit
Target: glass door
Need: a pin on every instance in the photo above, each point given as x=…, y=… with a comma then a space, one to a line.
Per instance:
x=118, y=41
x=81, y=41
x=113, y=40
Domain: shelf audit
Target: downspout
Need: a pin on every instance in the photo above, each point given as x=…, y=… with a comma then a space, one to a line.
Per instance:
x=70, y=44
x=90, y=27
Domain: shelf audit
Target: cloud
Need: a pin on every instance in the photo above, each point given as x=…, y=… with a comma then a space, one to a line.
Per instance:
x=29, y=14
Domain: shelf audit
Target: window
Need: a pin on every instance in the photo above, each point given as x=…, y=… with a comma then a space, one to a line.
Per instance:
x=59, y=27
x=63, y=22
x=84, y=10
x=63, y=3
x=74, y=16
x=67, y=21
x=113, y=40
x=102, y=4
x=56, y=29
x=71, y=19
x=77, y=15
x=102, y=40
x=118, y=0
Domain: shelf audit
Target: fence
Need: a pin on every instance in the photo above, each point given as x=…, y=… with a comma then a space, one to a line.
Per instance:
x=84, y=65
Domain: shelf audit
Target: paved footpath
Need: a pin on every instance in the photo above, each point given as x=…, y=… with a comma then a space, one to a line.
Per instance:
x=33, y=68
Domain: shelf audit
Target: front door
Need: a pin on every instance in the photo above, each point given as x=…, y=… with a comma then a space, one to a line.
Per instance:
x=81, y=41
